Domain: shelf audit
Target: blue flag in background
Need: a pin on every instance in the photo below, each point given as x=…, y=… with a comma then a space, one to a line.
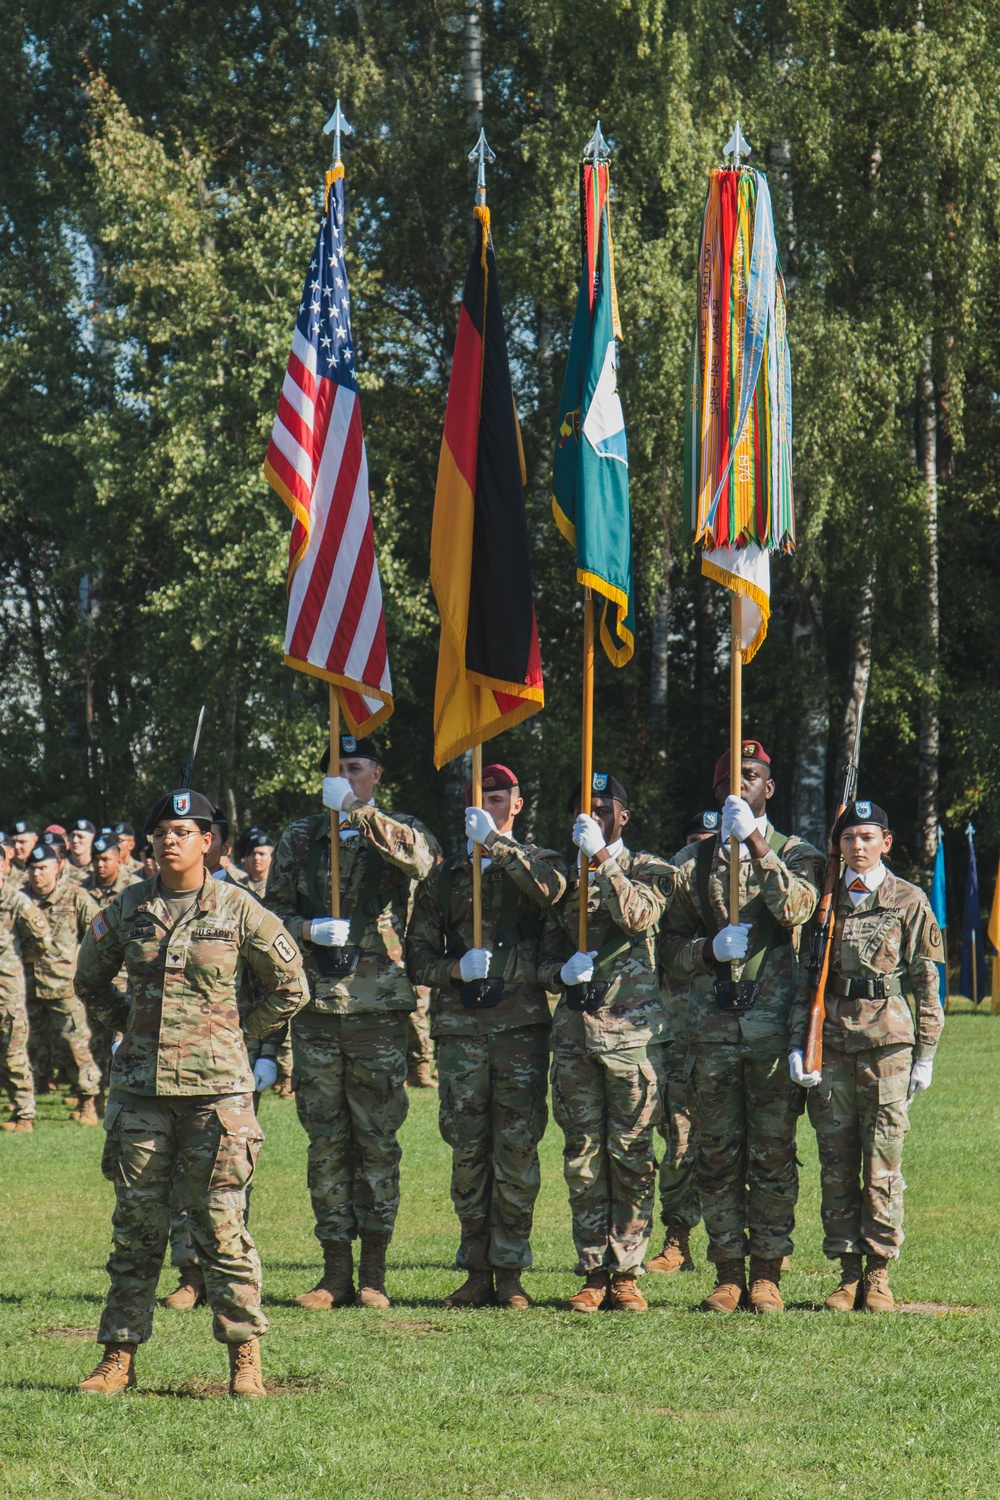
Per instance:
x=939, y=906
x=973, y=975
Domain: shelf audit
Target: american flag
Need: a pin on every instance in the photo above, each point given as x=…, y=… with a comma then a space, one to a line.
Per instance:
x=317, y=463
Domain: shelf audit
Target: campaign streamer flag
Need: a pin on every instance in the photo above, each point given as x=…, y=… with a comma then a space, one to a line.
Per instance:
x=993, y=933
x=590, y=496
x=489, y=674
x=317, y=463
x=972, y=983
x=738, y=432
x=939, y=906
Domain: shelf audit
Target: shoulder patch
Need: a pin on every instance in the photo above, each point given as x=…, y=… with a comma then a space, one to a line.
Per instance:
x=99, y=927
x=666, y=884
x=283, y=948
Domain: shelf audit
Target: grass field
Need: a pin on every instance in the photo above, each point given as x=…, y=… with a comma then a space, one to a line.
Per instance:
x=419, y=1401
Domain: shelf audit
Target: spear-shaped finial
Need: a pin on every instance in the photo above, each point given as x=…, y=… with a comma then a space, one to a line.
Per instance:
x=736, y=146
x=597, y=148
x=482, y=155
x=337, y=123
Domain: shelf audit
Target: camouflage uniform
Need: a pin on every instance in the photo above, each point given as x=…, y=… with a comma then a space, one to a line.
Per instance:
x=607, y=1067
x=679, y=1200
x=77, y=874
x=349, y=1044
x=419, y=1044
x=24, y=937
x=745, y=1105
x=492, y=1063
x=55, y=1014
x=860, y=1110
x=100, y=1037
x=180, y=1122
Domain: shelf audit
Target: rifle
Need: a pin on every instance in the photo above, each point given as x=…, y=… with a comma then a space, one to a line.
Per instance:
x=819, y=960
x=187, y=769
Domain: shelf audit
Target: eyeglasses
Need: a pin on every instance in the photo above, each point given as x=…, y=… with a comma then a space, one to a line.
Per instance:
x=178, y=835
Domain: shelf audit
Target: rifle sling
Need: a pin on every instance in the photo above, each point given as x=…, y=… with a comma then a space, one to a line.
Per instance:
x=510, y=931
x=367, y=905
x=768, y=932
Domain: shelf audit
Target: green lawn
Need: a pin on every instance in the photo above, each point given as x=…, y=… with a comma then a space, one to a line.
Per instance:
x=419, y=1401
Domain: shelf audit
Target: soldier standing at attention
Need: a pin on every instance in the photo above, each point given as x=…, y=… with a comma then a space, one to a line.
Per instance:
x=884, y=936
x=24, y=837
x=80, y=844
x=54, y=1009
x=256, y=860
x=680, y=1206
x=108, y=878
x=490, y=1019
x=349, y=1045
x=743, y=1099
x=180, y=1117
x=125, y=834
x=217, y=861
x=24, y=937
x=607, y=1048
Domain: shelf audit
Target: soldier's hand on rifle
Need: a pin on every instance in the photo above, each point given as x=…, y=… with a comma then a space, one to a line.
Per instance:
x=336, y=791
x=588, y=835
x=920, y=1076
x=578, y=968
x=732, y=942
x=328, y=932
x=738, y=820
x=265, y=1072
x=796, y=1067
x=478, y=824
x=475, y=964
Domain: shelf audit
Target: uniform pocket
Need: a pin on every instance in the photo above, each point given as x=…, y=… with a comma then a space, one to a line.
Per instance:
x=650, y=1111
x=109, y=1155
x=892, y=1119
x=239, y=1145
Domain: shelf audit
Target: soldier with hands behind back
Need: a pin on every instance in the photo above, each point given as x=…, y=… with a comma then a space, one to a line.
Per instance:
x=24, y=937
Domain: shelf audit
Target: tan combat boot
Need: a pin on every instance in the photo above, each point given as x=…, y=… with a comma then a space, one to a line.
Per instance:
x=475, y=1291
x=371, y=1271
x=625, y=1294
x=419, y=1076
x=765, y=1278
x=190, y=1293
x=245, y=1377
x=87, y=1113
x=730, y=1287
x=283, y=1086
x=594, y=1294
x=878, y=1298
x=676, y=1252
x=845, y=1298
x=510, y=1292
x=116, y=1372
x=19, y=1124
x=335, y=1287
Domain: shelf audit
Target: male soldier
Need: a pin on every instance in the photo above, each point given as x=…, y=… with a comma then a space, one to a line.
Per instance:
x=180, y=1120
x=125, y=834
x=491, y=1022
x=217, y=861
x=607, y=1047
x=108, y=878
x=54, y=1010
x=873, y=1064
x=24, y=838
x=24, y=937
x=258, y=851
x=349, y=1045
x=80, y=843
x=680, y=1206
x=744, y=1101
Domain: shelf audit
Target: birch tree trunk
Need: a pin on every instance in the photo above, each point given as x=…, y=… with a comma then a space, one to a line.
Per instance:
x=859, y=671
x=809, y=657
x=930, y=730
x=659, y=651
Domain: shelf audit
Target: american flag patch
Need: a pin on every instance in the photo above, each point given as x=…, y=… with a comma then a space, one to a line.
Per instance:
x=99, y=927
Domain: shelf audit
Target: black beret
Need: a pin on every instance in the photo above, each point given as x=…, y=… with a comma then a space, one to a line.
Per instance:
x=55, y=839
x=40, y=852
x=125, y=828
x=351, y=748
x=102, y=844
x=183, y=803
x=858, y=813
x=84, y=825
x=23, y=826
x=703, y=822
x=601, y=785
x=220, y=819
x=258, y=839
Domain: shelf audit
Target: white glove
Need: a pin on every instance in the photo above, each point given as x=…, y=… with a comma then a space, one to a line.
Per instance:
x=478, y=824
x=588, y=835
x=578, y=968
x=329, y=932
x=920, y=1076
x=474, y=964
x=265, y=1071
x=731, y=942
x=796, y=1067
x=336, y=791
x=737, y=819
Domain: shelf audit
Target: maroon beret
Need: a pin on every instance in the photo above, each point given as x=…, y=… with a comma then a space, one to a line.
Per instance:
x=752, y=750
x=495, y=779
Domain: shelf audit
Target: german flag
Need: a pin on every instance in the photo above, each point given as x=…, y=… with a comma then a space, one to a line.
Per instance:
x=489, y=669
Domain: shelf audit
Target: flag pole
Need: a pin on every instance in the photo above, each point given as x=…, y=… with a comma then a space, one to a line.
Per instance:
x=587, y=753
x=975, y=968
x=334, y=815
x=735, y=756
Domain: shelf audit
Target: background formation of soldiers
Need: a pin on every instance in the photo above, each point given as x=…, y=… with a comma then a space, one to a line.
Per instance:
x=175, y=982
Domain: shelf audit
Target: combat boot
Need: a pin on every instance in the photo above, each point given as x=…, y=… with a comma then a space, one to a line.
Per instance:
x=371, y=1271
x=475, y=1291
x=335, y=1287
x=245, y=1377
x=845, y=1298
x=625, y=1294
x=878, y=1298
x=116, y=1372
x=676, y=1252
x=283, y=1086
x=20, y=1124
x=190, y=1293
x=419, y=1076
x=510, y=1292
x=765, y=1278
x=730, y=1287
x=594, y=1294
x=87, y=1113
